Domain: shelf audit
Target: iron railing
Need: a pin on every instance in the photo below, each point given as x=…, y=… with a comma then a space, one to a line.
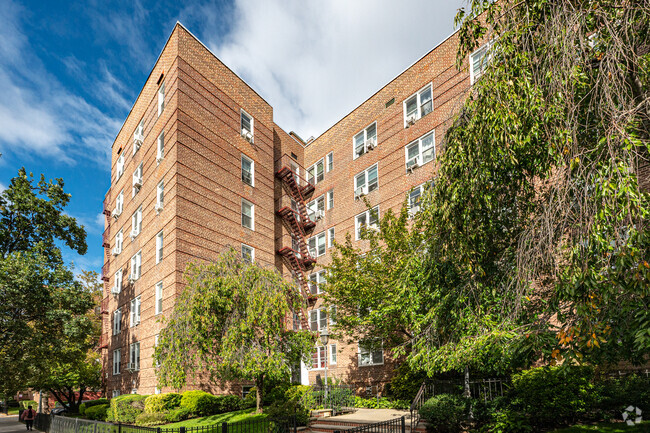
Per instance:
x=338, y=398
x=396, y=425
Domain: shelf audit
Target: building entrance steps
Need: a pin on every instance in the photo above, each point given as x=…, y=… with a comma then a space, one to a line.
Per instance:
x=360, y=417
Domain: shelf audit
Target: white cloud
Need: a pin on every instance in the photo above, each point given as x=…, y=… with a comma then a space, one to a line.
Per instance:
x=316, y=61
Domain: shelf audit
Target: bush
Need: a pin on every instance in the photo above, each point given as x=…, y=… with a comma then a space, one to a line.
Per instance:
x=282, y=411
x=276, y=394
x=550, y=396
x=380, y=403
x=150, y=419
x=251, y=398
x=178, y=414
x=406, y=382
x=199, y=403
x=615, y=394
x=91, y=403
x=444, y=413
x=228, y=403
x=125, y=408
x=97, y=412
x=23, y=404
x=162, y=402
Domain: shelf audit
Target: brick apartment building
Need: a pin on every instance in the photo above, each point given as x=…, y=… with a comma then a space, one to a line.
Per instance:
x=200, y=165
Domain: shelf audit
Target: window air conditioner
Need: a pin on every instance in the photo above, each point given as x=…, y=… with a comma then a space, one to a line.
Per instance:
x=410, y=120
x=137, y=182
x=159, y=158
x=132, y=366
x=116, y=213
x=360, y=192
x=413, y=210
x=133, y=234
x=413, y=163
x=247, y=135
x=116, y=251
x=370, y=144
x=319, y=214
x=132, y=278
x=361, y=150
x=115, y=290
x=138, y=137
x=159, y=207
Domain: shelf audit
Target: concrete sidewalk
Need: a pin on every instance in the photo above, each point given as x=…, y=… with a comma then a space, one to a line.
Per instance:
x=10, y=424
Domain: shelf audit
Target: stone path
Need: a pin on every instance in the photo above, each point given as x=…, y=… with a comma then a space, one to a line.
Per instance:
x=371, y=415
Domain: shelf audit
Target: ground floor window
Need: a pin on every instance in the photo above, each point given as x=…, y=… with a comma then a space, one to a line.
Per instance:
x=370, y=355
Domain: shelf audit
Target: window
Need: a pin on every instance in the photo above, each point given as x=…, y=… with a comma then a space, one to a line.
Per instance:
x=318, y=320
x=156, y=390
x=366, y=181
x=160, y=147
x=136, y=223
x=332, y=353
x=136, y=266
x=420, y=151
x=137, y=180
x=134, y=357
x=161, y=98
x=138, y=136
x=414, y=198
x=247, y=214
x=247, y=170
x=330, y=199
x=135, y=311
x=315, y=281
x=160, y=196
x=116, y=393
x=316, y=208
x=156, y=339
x=318, y=357
x=159, y=298
x=119, y=204
x=134, y=391
x=368, y=219
x=247, y=126
x=418, y=105
x=370, y=355
x=247, y=253
x=330, y=237
x=117, y=288
x=316, y=245
x=478, y=61
x=365, y=140
x=117, y=321
x=330, y=161
x=119, y=241
x=119, y=170
x=316, y=173
x=159, y=247
x=117, y=353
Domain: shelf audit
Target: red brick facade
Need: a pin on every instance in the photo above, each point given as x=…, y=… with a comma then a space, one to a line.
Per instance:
x=203, y=189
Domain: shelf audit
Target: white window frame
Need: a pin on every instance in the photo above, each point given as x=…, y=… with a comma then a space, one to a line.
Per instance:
x=313, y=175
x=117, y=356
x=119, y=202
x=333, y=354
x=419, y=158
x=242, y=130
x=315, y=250
x=159, y=246
x=134, y=356
x=317, y=204
x=329, y=162
x=161, y=98
x=361, y=350
x=365, y=173
x=119, y=242
x=251, y=250
x=160, y=147
x=119, y=169
x=138, y=136
x=157, y=391
x=118, y=280
x=330, y=237
x=136, y=266
x=484, y=52
x=320, y=355
x=252, y=216
x=137, y=176
x=414, y=195
x=136, y=223
x=160, y=196
x=159, y=298
x=117, y=321
x=135, y=311
x=251, y=173
x=330, y=199
x=367, y=214
x=116, y=393
x=368, y=141
x=418, y=101
x=317, y=279
x=321, y=317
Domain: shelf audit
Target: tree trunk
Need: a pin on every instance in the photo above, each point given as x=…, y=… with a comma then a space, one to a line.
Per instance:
x=259, y=385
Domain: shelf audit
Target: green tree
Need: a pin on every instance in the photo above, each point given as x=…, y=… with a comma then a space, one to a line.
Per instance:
x=232, y=320
x=41, y=304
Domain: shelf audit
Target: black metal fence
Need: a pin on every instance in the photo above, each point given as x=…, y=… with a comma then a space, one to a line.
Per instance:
x=396, y=425
x=339, y=398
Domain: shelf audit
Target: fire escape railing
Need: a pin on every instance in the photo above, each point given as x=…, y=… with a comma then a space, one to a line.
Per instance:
x=106, y=243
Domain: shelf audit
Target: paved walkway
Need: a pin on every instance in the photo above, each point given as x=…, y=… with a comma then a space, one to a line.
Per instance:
x=371, y=415
x=10, y=424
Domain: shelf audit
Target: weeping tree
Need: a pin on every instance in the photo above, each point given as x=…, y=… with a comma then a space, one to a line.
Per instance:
x=232, y=321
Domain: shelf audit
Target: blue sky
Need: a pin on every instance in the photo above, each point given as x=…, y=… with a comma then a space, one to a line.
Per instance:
x=70, y=71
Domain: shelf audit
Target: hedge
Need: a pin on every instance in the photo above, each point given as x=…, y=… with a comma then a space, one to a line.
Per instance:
x=201, y=403
x=178, y=414
x=97, y=412
x=162, y=402
x=151, y=419
x=84, y=406
x=444, y=413
x=125, y=408
x=24, y=403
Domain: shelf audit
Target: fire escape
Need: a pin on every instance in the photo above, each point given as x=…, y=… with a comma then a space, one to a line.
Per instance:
x=106, y=243
x=299, y=224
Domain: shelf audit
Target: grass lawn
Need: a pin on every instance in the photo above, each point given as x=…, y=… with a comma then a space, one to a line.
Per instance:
x=13, y=410
x=607, y=427
x=229, y=417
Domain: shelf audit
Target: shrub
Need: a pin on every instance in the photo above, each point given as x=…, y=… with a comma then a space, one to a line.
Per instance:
x=25, y=403
x=509, y=421
x=228, y=403
x=125, y=408
x=251, y=398
x=550, y=396
x=162, y=402
x=444, y=413
x=97, y=412
x=282, y=411
x=199, y=403
x=406, y=382
x=149, y=419
x=91, y=403
x=296, y=392
x=178, y=414
x=615, y=394
x=380, y=403
x=276, y=394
